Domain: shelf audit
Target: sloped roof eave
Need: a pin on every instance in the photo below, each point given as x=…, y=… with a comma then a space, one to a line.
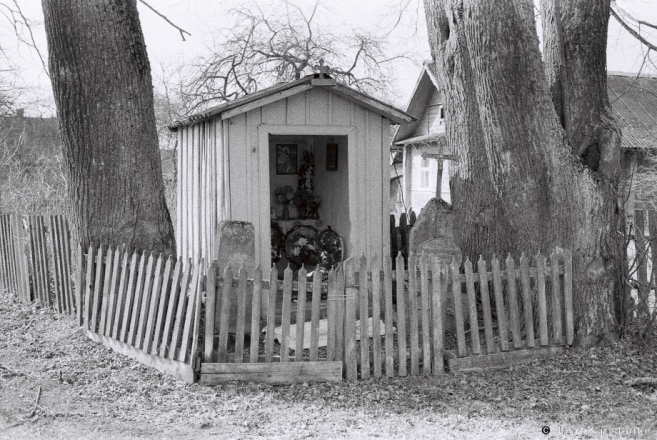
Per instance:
x=394, y=114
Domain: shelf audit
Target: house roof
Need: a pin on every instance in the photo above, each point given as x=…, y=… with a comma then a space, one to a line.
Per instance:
x=420, y=98
x=425, y=139
x=284, y=90
x=634, y=102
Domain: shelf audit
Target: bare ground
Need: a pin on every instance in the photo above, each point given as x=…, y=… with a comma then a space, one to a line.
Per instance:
x=87, y=391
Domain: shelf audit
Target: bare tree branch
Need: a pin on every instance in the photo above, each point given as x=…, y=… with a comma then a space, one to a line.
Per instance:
x=181, y=30
x=633, y=32
x=283, y=45
x=630, y=17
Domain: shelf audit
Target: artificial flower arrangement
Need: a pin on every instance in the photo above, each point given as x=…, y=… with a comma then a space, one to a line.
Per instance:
x=284, y=194
x=303, y=249
x=307, y=203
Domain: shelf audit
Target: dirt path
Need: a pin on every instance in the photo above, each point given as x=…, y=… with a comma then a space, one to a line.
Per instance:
x=87, y=391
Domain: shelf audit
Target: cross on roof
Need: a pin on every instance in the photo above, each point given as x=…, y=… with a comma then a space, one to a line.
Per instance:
x=321, y=68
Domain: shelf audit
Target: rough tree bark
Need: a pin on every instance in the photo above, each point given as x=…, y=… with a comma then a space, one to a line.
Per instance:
x=103, y=90
x=519, y=185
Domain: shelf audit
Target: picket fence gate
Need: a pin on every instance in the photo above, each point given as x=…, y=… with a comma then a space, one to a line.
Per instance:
x=524, y=302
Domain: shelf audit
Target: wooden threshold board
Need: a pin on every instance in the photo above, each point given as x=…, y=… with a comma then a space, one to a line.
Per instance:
x=272, y=373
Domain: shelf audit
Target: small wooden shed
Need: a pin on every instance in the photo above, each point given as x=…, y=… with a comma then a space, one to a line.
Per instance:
x=233, y=157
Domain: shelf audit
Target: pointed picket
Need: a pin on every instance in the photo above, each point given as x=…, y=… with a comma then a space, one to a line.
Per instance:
x=331, y=306
x=512, y=296
x=502, y=326
x=426, y=310
x=472, y=306
x=301, y=314
x=389, y=317
x=171, y=309
x=314, y=315
x=271, y=314
x=542, y=301
x=458, y=309
x=527, y=301
x=437, y=300
x=256, y=310
x=568, y=294
x=210, y=312
x=226, y=288
x=376, y=317
x=363, y=312
x=89, y=285
x=401, y=315
x=350, y=359
x=485, y=305
x=556, y=300
x=165, y=289
x=138, y=299
x=120, y=299
x=240, y=326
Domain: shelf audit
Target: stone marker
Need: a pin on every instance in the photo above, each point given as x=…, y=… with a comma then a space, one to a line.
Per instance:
x=236, y=247
x=433, y=236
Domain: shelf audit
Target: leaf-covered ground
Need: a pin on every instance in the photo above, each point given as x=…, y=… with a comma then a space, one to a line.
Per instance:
x=87, y=391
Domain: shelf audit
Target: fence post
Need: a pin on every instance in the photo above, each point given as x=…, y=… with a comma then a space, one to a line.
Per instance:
x=210, y=310
x=485, y=302
x=255, y=314
x=362, y=316
x=350, y=320
x=437, y=298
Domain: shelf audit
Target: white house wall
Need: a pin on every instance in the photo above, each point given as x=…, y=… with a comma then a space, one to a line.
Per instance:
x=244, y=195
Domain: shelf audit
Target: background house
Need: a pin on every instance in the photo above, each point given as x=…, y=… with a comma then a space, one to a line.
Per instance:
x=425, y=157
x=422, y=144
x=634, y=102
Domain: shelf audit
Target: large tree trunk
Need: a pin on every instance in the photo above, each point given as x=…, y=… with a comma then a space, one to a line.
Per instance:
x=517, y=185
x=103, y=89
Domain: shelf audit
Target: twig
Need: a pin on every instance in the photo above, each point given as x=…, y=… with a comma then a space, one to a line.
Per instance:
x=36, y=403
x=181, y=30
x=632, y=32
x=641, y=381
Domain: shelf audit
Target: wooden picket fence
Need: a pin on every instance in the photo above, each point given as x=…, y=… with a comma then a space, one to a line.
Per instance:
x=418, y=317
x=409, y=318
x=143, y=305
x=35, y=253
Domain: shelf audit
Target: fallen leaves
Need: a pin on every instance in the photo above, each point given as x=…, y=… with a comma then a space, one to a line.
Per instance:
x=86, y=387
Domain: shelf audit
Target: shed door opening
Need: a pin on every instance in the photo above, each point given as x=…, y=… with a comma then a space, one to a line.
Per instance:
x=309, y=190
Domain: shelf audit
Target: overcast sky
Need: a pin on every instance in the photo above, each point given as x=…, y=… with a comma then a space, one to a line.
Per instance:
x=204, y=18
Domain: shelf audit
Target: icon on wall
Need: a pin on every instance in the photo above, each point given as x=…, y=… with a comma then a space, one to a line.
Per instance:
x=331, y=157
x=286, y=159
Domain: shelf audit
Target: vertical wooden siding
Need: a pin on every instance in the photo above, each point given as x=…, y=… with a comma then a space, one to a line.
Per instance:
x=208, y=171
x=200, y=192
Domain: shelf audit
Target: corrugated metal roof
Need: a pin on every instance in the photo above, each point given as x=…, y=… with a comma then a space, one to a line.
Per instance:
x=634, y=103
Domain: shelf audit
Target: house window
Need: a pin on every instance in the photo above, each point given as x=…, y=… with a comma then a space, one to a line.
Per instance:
x=428, y=174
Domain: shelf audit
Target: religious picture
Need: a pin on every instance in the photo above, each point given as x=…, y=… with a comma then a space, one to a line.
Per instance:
x=286, y=159
x=331, y=157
